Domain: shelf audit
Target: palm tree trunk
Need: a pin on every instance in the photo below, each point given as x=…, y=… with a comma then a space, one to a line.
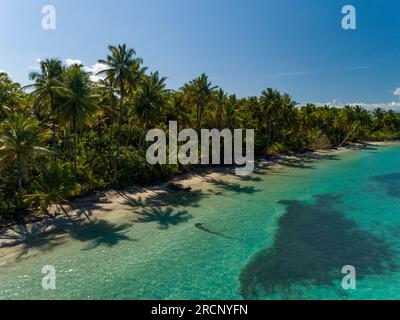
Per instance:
x=68, y=138
x=122, y=96
x=53, y=128
x=75, y=133
x=20, y=175
x=200, y=108
x=111, y=129
x=66, y=213
x=100, y=133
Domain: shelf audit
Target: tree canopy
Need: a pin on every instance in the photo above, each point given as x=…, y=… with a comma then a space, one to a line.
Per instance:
x=70, y=132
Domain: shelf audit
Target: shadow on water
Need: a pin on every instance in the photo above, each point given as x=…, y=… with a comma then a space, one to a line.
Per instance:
x=390, y=183
x=158, y=209
x=249, y=178
x=232, y=187
x=306, y=161
x=42, y=243
x=313, y=243
x=101, y=233
x=93, y=234
x=165, y=217
x=167, y=198
x=201, y=227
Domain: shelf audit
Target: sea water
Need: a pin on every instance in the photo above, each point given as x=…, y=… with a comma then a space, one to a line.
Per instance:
x=283, y=233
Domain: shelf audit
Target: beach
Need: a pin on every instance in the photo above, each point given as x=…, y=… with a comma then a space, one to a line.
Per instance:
x=106, y=205
x=215, y=241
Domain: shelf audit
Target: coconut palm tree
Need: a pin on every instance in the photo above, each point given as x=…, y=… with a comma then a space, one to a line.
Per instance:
x=124, y=70
x=107, y=100
x=79, y=105
x=269, y=102
x=150, y=98
x=176, y=108
x=378, y=115
x=20, y=138
x=220, y=109
x=9, y=95
x=199, y=92
x=48, y=86
x=54, y=186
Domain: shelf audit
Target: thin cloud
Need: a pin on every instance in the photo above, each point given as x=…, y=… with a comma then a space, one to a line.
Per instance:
x=71, y=62
x=395, y=106
x=396, y=92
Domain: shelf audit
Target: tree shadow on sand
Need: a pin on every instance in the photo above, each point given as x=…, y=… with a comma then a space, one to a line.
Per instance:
x=38, y=235
x=313, y=243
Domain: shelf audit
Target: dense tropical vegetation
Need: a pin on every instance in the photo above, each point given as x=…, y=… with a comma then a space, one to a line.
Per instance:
x=69, y=132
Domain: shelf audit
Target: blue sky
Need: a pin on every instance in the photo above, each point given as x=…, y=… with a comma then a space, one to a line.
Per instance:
x=245, y=46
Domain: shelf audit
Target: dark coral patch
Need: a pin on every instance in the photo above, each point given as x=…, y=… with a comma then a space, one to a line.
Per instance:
x=313, y=243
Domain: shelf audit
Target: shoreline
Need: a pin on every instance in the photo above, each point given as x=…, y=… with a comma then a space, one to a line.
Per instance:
x=106, y=205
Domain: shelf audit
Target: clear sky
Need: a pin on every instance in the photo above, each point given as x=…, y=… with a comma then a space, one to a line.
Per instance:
x=245, y=46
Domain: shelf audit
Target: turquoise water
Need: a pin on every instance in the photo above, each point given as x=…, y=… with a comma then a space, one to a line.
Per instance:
x=282, y=235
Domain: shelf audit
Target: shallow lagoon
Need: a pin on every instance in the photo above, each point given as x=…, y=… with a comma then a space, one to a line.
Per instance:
x=279, y=234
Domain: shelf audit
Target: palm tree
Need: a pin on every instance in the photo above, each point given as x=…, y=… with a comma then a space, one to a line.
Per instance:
x=176, y=108
x=79, y=105
x=220, y=110
x=150, y=98
x=47, y=88
x=9, y=94
x=123, y=69
x=230, y=112
x=199, y=92
x=378, y=115
x=107, y=99
x=53, y=187
x=269, y=102
x=20, y=137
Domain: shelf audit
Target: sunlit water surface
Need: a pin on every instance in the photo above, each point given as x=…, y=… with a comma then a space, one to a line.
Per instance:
x=282, y=235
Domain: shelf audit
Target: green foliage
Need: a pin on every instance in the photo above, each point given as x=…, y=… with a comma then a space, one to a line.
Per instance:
x=54, y=186
x=96, y=129
x=134, y=168
x=317, y=140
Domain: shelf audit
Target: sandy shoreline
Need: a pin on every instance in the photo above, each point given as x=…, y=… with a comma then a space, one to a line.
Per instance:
x=105, y=206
